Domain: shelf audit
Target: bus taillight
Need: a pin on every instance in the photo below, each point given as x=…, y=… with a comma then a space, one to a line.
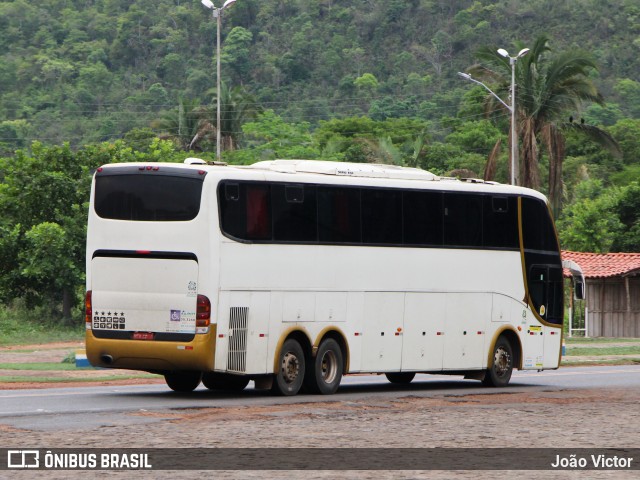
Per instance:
x=88, y=309
x=203, y=311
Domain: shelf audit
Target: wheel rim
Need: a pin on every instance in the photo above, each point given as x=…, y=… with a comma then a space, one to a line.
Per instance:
x=290, y=367
x=501, y=362
x=329, y=366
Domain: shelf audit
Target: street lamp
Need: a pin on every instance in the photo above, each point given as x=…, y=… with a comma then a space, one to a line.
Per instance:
x=515, y=167
x=217, y=14
x=511, y=108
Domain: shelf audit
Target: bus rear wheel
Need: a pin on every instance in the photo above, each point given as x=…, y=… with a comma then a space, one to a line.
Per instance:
x=291, y=367
x=224, y=381
x=402, y=378
x=502, y=366
x=327, y=369
x=183, y=381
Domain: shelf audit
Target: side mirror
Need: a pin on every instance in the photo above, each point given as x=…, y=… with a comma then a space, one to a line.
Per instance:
x=578, y=278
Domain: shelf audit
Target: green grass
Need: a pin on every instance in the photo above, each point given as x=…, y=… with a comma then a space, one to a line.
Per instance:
x=582, y=340
x=21, y=379
x=44, y=366
x=568, y=361
x=590, y=351
x=20, y=326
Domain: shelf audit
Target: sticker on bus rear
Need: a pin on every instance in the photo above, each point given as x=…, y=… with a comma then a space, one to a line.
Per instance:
x=109, y=321
x=181, y=321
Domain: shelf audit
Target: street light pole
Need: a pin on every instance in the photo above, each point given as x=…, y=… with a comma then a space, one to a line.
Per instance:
x=217, y=14
x=512, y=108
x=515, y=165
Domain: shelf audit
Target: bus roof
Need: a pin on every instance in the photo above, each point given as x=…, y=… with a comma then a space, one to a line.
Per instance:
x=325, y=167
x=311, y=168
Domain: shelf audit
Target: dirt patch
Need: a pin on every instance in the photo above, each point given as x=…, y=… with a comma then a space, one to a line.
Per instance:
x=39, y=353
x=43, y=346
x=89, y=383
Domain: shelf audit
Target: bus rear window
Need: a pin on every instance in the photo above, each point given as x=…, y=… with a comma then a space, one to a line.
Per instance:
x=148, y=197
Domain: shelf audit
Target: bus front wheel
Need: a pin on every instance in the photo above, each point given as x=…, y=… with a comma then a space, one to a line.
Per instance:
x=224, y=381
x=183, y=381
x=290, y=375
x=326, y=374
x=502, y=366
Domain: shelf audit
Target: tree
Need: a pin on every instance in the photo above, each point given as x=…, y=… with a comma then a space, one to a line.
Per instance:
x=627, y=134
x=549, y=90
x=237, y=106
x=43, y=208
x=269, y=137
x=236, y=53
x=188, y=125
x=590, y=223
x=367, y=83
x=629, y=90
x=48, y=266
x=628, y=211
x=602, y=219
x=44, y=199
x=193, y=126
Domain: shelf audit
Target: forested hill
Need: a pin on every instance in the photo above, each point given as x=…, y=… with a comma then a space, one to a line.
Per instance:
x=89, y=82
x=91, y=70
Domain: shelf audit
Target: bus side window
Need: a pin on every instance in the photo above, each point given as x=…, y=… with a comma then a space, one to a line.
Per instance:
x=294, y=213
x=232, y=210
x=381, y=216
x=462, y=220
x=500, y=222
x=422, y=215
x=258, y=224
x=339, y=215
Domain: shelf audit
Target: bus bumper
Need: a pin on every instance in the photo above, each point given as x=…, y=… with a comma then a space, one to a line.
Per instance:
x=153, y=356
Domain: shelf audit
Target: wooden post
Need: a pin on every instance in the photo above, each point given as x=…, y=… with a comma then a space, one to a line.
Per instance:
x=570, y=329
x=628, y=331
x=603, y=330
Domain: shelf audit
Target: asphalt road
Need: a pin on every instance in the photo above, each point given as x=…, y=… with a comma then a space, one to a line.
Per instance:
x=63, y=408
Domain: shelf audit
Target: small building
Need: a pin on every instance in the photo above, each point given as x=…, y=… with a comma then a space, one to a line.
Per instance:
x=612, y=296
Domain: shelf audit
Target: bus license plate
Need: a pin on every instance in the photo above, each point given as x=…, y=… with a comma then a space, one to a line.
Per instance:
x=143, y=335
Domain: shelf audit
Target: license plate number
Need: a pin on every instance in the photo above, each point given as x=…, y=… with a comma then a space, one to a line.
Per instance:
x=143, y=335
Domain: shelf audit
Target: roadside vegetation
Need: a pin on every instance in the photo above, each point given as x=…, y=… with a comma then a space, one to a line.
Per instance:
x=21, y=326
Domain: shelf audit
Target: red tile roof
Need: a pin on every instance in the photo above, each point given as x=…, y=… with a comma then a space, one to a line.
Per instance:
x=603, y=265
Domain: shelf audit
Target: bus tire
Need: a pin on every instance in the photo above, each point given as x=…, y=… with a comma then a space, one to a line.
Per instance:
x=502, y=366
x=326, y=374
x=224, y=381
x=401, y=378
x=291, y=367
x=183, y=381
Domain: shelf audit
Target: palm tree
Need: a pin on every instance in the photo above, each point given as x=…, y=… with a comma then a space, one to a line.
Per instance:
x=548, y=89
x=192, y=124
x=237, y=106
x=187, y=125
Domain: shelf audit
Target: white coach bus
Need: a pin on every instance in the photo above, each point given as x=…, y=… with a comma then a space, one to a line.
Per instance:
x=293, y=273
